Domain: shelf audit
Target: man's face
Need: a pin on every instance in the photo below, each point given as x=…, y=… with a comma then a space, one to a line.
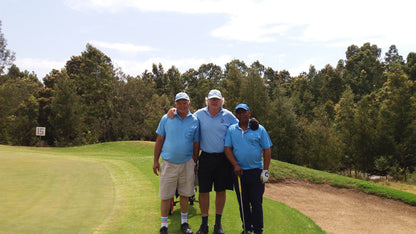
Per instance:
x=243, y=115
x=182, y=105
x=214, y=102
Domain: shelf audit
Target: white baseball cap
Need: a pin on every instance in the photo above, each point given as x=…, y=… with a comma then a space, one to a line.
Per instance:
x=214, y=93
x=181, y=95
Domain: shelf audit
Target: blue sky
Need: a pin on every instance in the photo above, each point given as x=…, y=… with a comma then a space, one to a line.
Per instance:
x=284, y=35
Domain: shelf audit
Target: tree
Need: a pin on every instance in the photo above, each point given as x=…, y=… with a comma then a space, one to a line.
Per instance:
x=332, y=86
x=66, y=117
x=302, y=97
x=24, y=122
x=393, y=57
x=318, y=148
x=160, y=78
x=344, y=126
x=236, y=64
x=232, y=83
x=17, y=91
x=364, y=145
x=211, y=72
x=196, y=88
x=7, y=57
x=410, y=67
x=44, y=98
x=157, y=107
x=175, y=83
x=254, y=94
x=130, y=107
x=315, y=80
x=50, y=79
x=94, y=76
x=364, y=71
x=281, y=123
x=397, y=124
x=271, y=80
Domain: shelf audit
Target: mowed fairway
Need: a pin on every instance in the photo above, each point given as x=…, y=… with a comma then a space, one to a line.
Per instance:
x=52, y=194
x=104, y=188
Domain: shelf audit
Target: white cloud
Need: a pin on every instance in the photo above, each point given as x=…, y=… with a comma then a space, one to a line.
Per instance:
x=137, y=67
x=255, y=56
x=40, y=66
x=336, y=24
x=181, y=6
x=267, y=20
x=122, y=47
x=304, y=67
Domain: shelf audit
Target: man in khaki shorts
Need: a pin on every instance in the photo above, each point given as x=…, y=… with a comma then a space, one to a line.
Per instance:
x=177, y=143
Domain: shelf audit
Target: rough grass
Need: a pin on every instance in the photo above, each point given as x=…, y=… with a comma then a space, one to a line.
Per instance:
x=105, y=188
x=411, y=188
x=285, y=171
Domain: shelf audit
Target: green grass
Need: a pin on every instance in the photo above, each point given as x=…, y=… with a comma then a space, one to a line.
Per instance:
x=105, y=188
x=285, y=171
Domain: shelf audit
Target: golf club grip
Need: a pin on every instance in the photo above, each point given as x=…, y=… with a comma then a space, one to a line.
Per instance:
x=239, y=183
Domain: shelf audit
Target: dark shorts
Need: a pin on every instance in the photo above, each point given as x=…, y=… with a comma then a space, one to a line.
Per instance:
x=214, y=169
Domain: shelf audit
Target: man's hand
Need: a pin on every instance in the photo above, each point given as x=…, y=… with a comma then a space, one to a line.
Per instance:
x=156, y=168
x=264, y=177
x=171, y=113
x=237, y=170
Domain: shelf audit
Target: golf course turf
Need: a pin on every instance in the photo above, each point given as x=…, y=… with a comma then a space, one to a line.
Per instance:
x=105, y=188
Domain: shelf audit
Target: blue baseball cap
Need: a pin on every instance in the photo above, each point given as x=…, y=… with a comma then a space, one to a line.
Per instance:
x=242, y=106
x=215, y=93
x=181, y=95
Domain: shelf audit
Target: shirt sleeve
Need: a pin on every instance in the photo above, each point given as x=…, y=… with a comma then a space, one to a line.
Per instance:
x=228, y=139
x=161, y=128
x=197, y=136
x=265, y=139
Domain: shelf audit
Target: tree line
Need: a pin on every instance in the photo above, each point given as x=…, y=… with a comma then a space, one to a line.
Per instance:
x=359, y=116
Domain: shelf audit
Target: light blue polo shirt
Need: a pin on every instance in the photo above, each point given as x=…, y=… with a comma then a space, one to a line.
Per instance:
x=214, y=129
x=248, y=145
x=179, y=135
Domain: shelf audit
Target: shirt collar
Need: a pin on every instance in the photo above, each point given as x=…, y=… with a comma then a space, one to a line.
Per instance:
x=206, y=110
x=176, y=114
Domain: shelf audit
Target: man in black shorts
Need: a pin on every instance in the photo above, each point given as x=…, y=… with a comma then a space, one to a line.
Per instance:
x=214, y=169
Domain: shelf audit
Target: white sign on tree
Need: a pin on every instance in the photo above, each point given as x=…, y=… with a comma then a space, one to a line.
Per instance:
x=40, y=131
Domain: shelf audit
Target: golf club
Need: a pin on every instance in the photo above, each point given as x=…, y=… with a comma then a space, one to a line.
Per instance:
x=241, y=202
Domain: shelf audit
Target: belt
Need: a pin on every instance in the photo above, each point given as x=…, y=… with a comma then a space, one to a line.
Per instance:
x=213, y=154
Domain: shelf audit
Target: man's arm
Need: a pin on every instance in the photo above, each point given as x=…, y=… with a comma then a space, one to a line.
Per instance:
x=195, y=151
x=158, y=149
x=267, y=156
x=230, y=156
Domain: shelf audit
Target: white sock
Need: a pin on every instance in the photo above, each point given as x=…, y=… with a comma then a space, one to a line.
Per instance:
x=164, y=221
x=184, y=218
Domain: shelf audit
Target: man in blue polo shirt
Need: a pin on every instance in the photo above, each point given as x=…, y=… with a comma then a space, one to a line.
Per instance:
x=177, y=143
x=248, y=150
x=214, y=170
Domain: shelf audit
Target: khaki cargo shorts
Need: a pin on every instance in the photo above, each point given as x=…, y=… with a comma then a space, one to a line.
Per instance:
x=176, y=176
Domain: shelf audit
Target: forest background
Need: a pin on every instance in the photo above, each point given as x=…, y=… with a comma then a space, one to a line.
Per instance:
x=356, y=118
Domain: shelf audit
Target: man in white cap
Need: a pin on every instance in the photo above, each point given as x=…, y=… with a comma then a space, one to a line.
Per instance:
x=213, y=169
x=177, y=143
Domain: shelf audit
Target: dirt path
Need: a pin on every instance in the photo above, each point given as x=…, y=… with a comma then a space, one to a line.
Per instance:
x=338, y=210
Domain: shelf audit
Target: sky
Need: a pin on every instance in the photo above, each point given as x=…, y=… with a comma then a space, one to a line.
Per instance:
x=287, y=35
